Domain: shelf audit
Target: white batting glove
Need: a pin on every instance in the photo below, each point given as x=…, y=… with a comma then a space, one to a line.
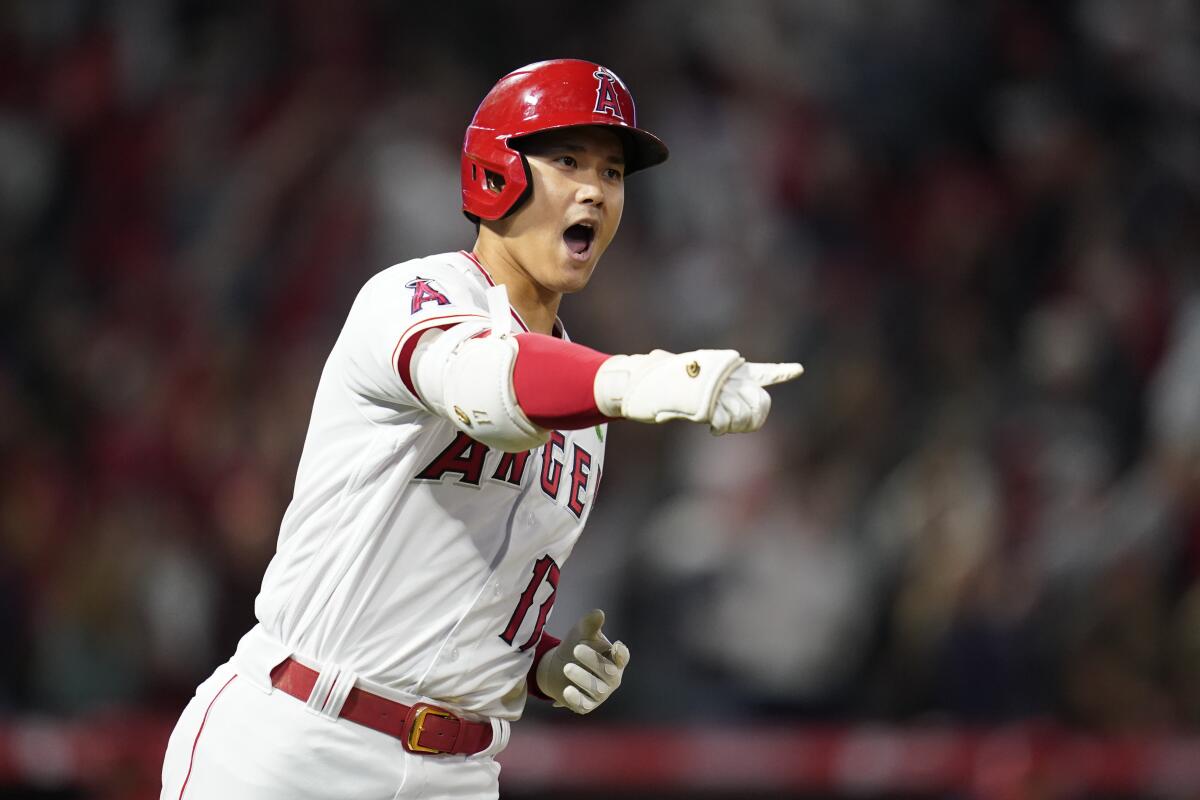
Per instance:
x=584, y=669
x=714, y=386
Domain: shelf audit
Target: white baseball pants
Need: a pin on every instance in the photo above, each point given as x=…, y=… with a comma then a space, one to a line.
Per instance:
x=237, y=740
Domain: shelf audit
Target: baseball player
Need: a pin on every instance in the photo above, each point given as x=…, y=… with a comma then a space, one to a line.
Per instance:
x=453, y=457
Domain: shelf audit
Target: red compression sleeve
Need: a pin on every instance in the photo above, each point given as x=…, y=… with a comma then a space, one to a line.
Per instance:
x=555, y=382
x=544, y=645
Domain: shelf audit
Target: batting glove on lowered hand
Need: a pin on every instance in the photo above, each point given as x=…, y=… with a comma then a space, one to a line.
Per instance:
x=714, y=386
x=585, y=668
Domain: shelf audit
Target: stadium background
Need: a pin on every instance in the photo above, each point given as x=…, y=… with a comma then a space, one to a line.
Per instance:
x=962, y=561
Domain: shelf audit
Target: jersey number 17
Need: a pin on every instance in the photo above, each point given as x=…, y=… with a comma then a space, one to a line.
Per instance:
x=544, y=571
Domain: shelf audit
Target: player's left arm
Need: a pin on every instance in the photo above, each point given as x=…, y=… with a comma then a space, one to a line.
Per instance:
x=581, y=671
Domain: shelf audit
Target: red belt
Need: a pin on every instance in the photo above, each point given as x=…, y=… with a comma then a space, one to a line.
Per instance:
x=421, y=728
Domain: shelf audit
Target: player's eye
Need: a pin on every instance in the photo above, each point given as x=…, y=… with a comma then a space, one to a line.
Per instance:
x=568, y=161
x=613, y=174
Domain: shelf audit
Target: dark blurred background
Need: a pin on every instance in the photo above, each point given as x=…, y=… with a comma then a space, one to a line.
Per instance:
x=962, y=560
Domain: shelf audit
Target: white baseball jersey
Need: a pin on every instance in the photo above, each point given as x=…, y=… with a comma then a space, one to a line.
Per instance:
x=411, y=554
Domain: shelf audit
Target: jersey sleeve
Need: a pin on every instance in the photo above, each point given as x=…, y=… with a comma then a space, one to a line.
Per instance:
x=391, y=312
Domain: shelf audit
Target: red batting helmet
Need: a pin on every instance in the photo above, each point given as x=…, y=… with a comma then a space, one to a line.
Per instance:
x=540, y=97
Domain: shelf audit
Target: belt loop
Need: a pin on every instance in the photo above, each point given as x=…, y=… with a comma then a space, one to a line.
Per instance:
x=342, y=684
x=501, y=728
x=322, y=691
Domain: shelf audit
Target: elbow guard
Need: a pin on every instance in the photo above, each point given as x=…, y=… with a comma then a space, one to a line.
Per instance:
x=469, y=380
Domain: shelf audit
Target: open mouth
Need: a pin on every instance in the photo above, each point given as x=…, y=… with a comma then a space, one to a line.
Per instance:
x=579, y=238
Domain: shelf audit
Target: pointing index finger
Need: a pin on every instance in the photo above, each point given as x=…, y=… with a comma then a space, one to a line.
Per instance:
x=770, y=374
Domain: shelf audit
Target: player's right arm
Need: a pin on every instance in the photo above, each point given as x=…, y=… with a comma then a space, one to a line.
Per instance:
x=508, y=391
x=421, y=337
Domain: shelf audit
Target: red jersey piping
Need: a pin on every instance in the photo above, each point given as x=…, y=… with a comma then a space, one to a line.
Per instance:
x=427, y=322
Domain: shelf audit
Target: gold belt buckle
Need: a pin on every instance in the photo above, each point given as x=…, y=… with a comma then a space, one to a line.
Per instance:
x=418, y=726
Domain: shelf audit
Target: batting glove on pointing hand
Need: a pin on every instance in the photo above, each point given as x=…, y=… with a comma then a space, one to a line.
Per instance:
x=714, y=386
x=584, y=669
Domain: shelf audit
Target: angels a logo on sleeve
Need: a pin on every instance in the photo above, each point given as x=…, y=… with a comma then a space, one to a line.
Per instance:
x=606, y=94
x=424, y=291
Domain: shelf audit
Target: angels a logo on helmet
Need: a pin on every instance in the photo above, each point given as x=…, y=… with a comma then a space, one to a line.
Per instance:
x=606, y=94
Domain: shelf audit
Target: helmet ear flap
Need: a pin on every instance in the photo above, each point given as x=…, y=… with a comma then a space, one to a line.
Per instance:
x=526, y=186
x=481, y=195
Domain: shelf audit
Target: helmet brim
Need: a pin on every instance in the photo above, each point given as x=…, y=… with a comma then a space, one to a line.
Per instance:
x=642, y=148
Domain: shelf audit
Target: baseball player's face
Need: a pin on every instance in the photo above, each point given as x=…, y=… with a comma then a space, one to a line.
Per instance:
x=559, y=234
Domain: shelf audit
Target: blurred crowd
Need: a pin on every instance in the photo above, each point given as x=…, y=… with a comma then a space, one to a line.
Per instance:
x=976, y=224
